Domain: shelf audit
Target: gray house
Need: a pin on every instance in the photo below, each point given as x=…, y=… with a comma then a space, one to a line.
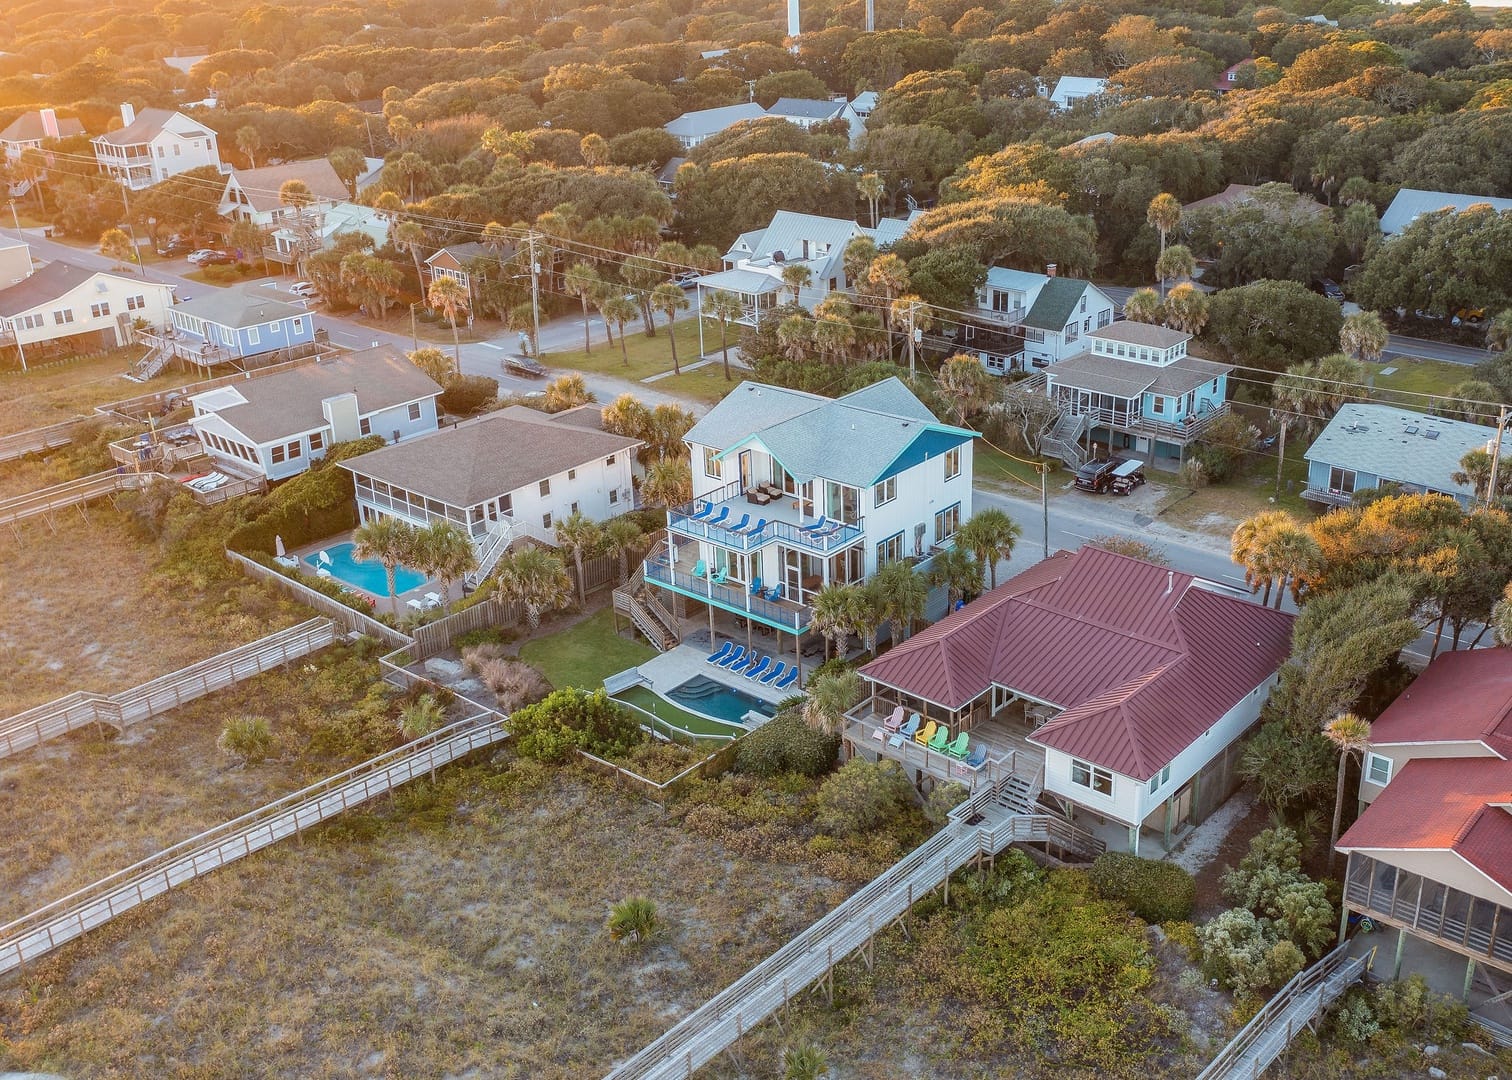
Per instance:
x=692, y=128
x=1367, y=445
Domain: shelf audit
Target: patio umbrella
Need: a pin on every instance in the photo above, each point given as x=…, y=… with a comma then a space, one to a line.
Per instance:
x=278, y=548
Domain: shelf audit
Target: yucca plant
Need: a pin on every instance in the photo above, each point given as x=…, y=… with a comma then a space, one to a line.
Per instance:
x=804, y=1063
x=249, y=739
x=634, y=919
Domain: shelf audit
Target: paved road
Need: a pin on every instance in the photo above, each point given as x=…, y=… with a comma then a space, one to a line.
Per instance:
x=1399, y=346
x=478, y=358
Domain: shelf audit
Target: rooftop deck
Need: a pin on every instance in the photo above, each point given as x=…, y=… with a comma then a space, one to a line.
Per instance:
x=734, y=518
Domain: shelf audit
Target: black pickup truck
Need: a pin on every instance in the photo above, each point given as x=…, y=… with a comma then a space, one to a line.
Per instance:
x=1118, y=475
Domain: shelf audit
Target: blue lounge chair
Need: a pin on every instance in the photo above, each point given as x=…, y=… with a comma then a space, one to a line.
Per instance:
x=724, y=512
x=724, y=651
x=708, y=509
x=910, y=729
x=755, y=586
x=776, y=673
x=776, y=593
x=754, y=529
x=978, y=756
x=788, y=680
x=816, y=526
x=734, y=658
x=698, y=568
x=745, y=519
x=718, y=576
x=760, y=669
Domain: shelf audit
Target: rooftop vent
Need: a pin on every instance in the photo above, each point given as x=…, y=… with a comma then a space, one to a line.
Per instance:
x=1410, y=429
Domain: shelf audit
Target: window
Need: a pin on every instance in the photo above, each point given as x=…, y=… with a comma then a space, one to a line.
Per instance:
x=252, y=337
x=1377, y=768
x=299, y=324
x=953, y=463
x=1085, y=774
x=32, y=322
x=1104, y=317
x=1215, y=386
x=608, y=461
x=365, y=426
x=1073, y=331
x=506, y=504
x=885, y=492
x=63, y=317
x=711, y=462
x=295, y=450
x=889, y=550
x=572, y=474
x=1084, y=303
x=1037, y=337
x=278, y=454
x=1004, y=302
x=1341, y=481
x=414, y=410
x=545, y=488
x=613, y=496
x=1160, y=779
x=545, y=521
x=99, y=311
x=135, y=303
x=317, y=442
x=946, y=522
x=574, y=508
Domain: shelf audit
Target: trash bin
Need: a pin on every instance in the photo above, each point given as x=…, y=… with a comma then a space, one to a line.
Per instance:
x=47, y=231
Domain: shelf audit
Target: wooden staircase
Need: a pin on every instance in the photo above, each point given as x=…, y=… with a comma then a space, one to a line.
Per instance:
x=650, y=616
x=1061, y=440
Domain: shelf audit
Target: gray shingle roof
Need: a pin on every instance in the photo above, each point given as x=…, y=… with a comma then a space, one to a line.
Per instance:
x=1129, y=378
x=48, y=283
x=1056, y=301
x=261, y=186
x=143, y=129
x=289, y=402
x=806, y=108
x=28, y=128
x=239, y=308
x=1412, y=203
x=1149, y=335
x=492, y=455
x=1393, y=444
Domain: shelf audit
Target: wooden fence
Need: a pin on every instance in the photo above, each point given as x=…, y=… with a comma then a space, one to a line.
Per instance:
x=349, y=618
x=81, y=709
x=45, y=929
x=436, y=637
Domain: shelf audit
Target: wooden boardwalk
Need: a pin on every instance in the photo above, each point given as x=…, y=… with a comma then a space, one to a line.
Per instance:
x=44, y=930
x=82, y=709
x=1296, y=1006
x=982, y=826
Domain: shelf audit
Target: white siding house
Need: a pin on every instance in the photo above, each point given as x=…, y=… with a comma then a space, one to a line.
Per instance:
x=151, y=146
x=64, y=302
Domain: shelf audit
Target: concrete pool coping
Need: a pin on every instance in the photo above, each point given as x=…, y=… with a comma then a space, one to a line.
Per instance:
x=308, y=551
x=678, y=665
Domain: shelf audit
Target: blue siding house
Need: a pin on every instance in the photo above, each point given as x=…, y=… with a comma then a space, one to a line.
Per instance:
x=226, y=325
x=1365, y=446
x=1135, y=391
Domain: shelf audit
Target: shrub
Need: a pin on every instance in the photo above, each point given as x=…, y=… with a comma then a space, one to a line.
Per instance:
x=468, y=395
x=786, y=744
x=1410, y=1007
x=566, y=720
x=1355, y=1020
x=833, y=666
x=513, y=683
x=1243, y=953
x=944, y=798
x=489, y=635
x=862, y=796
x=1157, y=892
x=248, y=739
x=634, y=920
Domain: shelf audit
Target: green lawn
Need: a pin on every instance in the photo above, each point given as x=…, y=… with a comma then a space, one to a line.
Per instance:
x=1419, y=377
x=993, y=466
x=647, y=356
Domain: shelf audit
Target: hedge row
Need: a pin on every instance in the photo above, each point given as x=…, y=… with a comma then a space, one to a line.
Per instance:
x=1158, y=892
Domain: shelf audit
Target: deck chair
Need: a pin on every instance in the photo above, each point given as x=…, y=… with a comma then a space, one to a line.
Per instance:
x=816, y=526
x=745, y=519
x=978, y=756
x=776, y=593
x=724, y=651
x=895, y=721
x=734, y=658
x=776, y=673
x=926, y=733
x=760, y=669
x=705, y=512
x=756, y=528
x=789, y=679
x=910, y=729
x=724, y=512
x=941, y=737
x=718, y=576
x=699, y=569
x=755, y=586
x=957, y=748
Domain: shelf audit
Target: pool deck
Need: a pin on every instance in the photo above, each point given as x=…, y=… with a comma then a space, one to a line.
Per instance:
x=307, y=552
x=685, y=662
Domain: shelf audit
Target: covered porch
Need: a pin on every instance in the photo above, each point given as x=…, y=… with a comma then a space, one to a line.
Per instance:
x=1004, y=740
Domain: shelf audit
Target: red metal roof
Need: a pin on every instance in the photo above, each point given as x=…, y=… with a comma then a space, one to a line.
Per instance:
x=1142, y=660
x=1444, y=804
x=1463, y=696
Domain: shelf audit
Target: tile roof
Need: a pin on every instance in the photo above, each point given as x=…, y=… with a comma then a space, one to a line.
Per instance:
x=240, y=308
x=480, y=459
x=1395, y=444
x=806, y=108
x=289, y=402
x=1138, y=333
x=1458, y=805
x=1461, y=696
x=705, y=122
x=28, y=128
x=261, y=186
x=1142, y=659
x=1056, y=301
x=1412, y=203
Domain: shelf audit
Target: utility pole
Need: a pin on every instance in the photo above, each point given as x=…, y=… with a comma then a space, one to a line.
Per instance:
x=1501, y=426
x=1044, y=471
x=911, y=337
x=535, y=290
x=414, y=337
x=15, y=219
x=130, y=228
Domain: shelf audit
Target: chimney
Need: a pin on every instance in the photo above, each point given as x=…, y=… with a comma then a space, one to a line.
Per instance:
x=1050, y=269
x=49, y=123
x=1170, y=581
x=128, y=114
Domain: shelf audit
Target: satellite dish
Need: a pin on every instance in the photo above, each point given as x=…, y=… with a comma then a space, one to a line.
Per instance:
x=778, y=257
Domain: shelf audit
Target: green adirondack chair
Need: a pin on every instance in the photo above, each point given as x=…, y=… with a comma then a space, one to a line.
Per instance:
x=941, y=737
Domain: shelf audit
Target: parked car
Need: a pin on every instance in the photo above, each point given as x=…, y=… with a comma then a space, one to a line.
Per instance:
x=1330, y=288
x=217, y=258
x=1119, y=475
x=200, y=257
x=305, y=289
x=687, y=279
x=175, y=246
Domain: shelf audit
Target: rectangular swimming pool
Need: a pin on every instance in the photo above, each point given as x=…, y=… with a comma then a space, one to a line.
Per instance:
x=701, y=694
x=368, y=575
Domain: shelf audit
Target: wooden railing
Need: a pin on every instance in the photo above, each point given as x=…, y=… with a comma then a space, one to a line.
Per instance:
x=69, y=493
x=47, y=928
x=43, y=438
x=80, y=709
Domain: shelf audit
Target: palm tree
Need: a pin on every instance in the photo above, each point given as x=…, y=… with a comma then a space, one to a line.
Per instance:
x=634, y=919
x=1143, y=305
x=434, y=363
x=536, y=580
x=901, y=594
x=249, y=142
x=580, y=536
x=964, y=382
x=409, y=237
x=449, y=296
x=829, y=697
x=858, y=257
x=1350, y=734
x=990, y=535
x=804, y=1063
x=387, y=540
x=871, y=188
x=887, y=277
x=1186, y=309
x=797, y=277
x=522, y=320
x=668, y=483
x=1163, y=214
x=621, y=311
x=444, y=551
x=724, y=308
x=602, y=298
x=116, y=246
x=669, y=300
x=1363, y=336
x=627, y=415
x=583, y=282
x=1175, y=261
x=1499, y=331
x=665, y=429
x=794, y=336
x=619, y=537
x=958, y=570
x=1250, y=547
x=867, y=614
x=1296, y=558
x=566, y=392
x=834, y=610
